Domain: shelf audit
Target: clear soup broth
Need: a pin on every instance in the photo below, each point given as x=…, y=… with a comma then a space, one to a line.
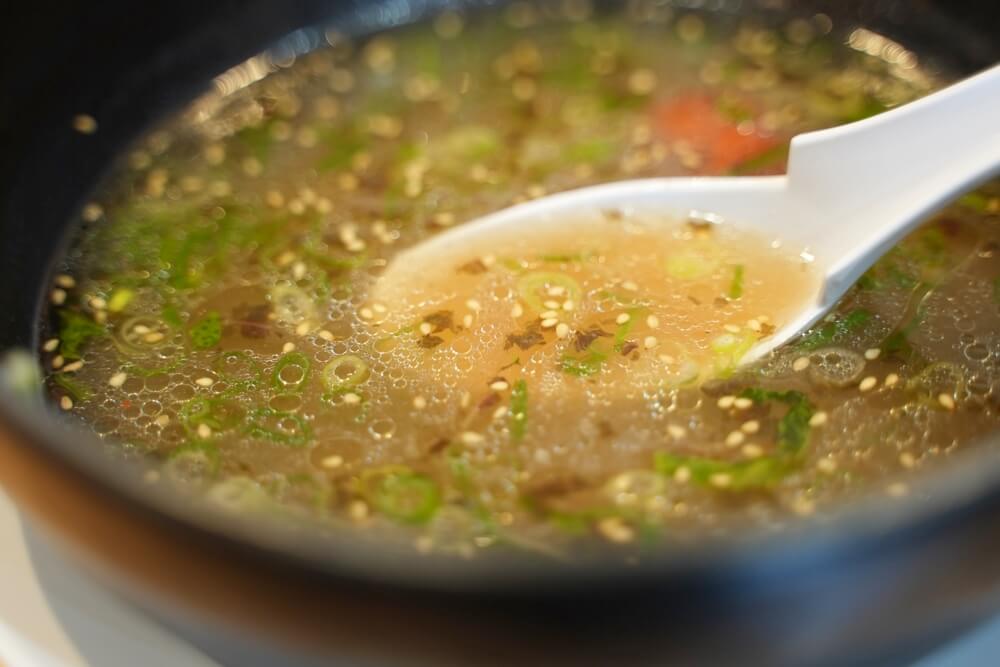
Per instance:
x=231, y=318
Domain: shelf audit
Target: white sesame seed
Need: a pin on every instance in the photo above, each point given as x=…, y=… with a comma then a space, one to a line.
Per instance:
x=333, y=461
x=568, y=305
x=358, y=510
x=543, y=456
x=63, y=280
x=299, y=270
x=92, y=212
x=827, y=465
x=630, y=286
x=872, y=354
x=676, y=432
x=66, y=403
x=419, y=402
x=467, y=321
x=750, y=426
x=556, y=290
x=73, y=366
x=720, y=480
x=58, y=361
x=752, y=451
x=58, y=296
x=325, y=335
x=946, y=401
x=500, y=412
x=549, y=314
x=303, y=328
x=552, y=305
x=549, y=323
x=51, y=345
x=754, y=325
x=562, y=330
x=141, y=329
x=891, y=379
x=906, y=460
x=204, y=431
x=652, y=321
x=288, y=347
x=350, y=398
x=366, y=313
x=614, y=529
x=800, y=364
x=153, y=337
x=743, y=403
x=204, y=382
x=666, y=358
x=649, y=342
x=118, y=379
x=517, y=310
x=499, y=385
x=426, y=328
x=379, y=308
x=623, y=318
x=726, y=402
x=818, y=419
x=731, y=328
x=465, y=400
x=84, y=123
x=473, y=305
x=162, y=420
x=682, y=474
x=868, y=383
x=735, y=439
x=471, y=438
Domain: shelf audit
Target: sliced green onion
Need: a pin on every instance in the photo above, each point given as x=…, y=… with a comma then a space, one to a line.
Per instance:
x=73, y=388
x=729, y=349
x=583, y=366
x=725, y=475
x=219, y=414
x=793, y=429
x=239, y=494
x=344, y=373
x=736, y=284
x=291, y=372
x=623, y=329
x=75, y=331
x=292, y=304
x=402, y=495
x=193, y=462
x=284, y=428
x=141, y=335
x=694, y=263
x=533, y=288
x=206, y=332
x=239, y=369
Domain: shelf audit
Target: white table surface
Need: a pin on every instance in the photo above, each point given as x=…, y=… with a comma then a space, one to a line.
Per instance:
x=53, y=615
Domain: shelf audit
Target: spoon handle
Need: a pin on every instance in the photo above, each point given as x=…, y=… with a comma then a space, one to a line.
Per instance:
x=876, y=179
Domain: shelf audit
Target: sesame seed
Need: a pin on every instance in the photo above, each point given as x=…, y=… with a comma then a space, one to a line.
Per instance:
x=946, y=401
x=303, y=328
x=58, y=361
x=666, y=358
x=556, y=290
x=419, y=402
x=726, y=402
x=426, y=328
x=549, y=323
x=743, y=403
x=872, y=354
x=906, y=460
x=332, y=461
x=118, y=379
x=162, y=420
x=754, y=325
x=800, y=364
x=542, y=456
x=868, y=383
x=630, y=286
x=735, y=439
x=500, y=412
x=58, y=296
x=623, y=318
x=568, y=305
x=549, y=314
x=682, y=474
x=615, y=529
x=818, y=419
x=731, y=328
x=66, y=403
x=517, y=310
x=891, y=379
x=465, y=400
x=299, y=270
x=649, y=342
x=73, y=367
x=750, y=426
x=204, y=382
x=720, y=480
x=92, y=212
x=827, y=465
x=358, y=510
x=325, y=335
x=499, y=385
x=204, y=431
x=562, y=330
x=473, y=305
x=153, y=337
x=350, y=398
x=288, y=347
x=652, y=321
x=84, y=123
x=676, y=432
x=467, y=321
x=62, y=280
x=471, y=438
x=752, y=451
x=366, y=313
x=551, y=305
x=51, y=345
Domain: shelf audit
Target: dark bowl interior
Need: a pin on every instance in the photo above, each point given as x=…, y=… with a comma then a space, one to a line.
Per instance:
x=925, y=566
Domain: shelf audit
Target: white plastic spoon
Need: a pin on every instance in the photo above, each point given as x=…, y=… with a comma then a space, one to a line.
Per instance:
x=850, y=194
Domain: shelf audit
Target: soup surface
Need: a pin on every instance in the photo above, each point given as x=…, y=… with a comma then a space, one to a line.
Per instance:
x=231, y=317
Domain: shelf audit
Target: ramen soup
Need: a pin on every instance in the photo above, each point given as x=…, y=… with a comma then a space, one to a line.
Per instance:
x=232, y=316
